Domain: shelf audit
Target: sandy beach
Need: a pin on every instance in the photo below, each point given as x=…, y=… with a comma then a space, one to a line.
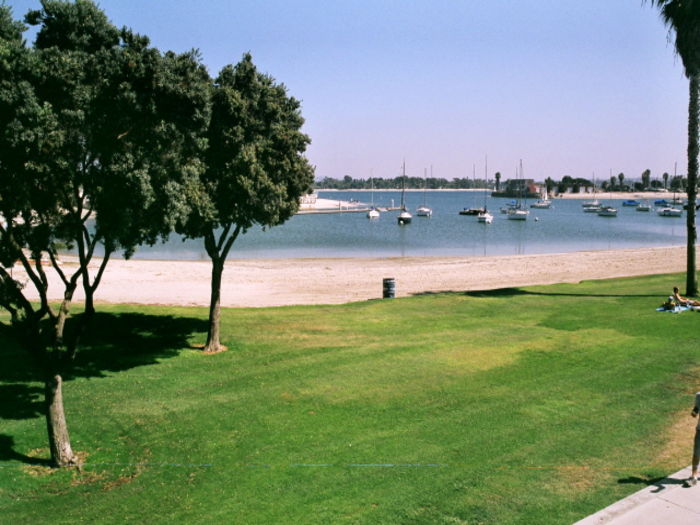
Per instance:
x=277, y=282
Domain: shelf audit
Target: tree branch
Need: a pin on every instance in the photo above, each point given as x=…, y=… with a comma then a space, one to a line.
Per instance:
x=222, y=237
x=231, y=240
x=54, y=263
x=101, y=270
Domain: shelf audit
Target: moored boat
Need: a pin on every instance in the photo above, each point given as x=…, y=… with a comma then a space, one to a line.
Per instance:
x=404, y=216
x=485, y=218
x=373, y=213
x=518, y=214
x=471, y=211
x=607, y=211
x=542, y=204
x=669, y=211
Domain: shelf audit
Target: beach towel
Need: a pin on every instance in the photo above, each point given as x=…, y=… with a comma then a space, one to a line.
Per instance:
x=677, y=309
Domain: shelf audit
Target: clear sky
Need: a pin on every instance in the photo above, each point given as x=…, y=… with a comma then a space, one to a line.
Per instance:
x=569, y=87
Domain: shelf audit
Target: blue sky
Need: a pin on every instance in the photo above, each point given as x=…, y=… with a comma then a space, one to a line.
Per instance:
x=569, y=87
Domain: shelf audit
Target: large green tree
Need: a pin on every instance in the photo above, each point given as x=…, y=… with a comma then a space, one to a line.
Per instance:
x=255, y=169
x=100, y=134
x=682, y=17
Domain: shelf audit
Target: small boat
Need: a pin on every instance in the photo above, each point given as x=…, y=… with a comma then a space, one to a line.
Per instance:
x=607, y=211
x=471, y=211
x=404, y=216
x=662, y=203
x=373, y=213
x=542, y=204
x=586, y=205
x=643, y=206
x=423, y=210
x=669, y=211
x=630, y=202
x=518, y=214
x=485, y=218
x=510, y=206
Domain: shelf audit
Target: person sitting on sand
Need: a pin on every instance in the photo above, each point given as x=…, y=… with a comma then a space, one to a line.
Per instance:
x=683, y=301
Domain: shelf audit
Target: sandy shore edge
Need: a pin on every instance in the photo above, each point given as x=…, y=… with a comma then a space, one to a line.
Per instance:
x=279, y=282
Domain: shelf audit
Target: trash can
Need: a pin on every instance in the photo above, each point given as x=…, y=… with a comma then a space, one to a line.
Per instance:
x=388, y=288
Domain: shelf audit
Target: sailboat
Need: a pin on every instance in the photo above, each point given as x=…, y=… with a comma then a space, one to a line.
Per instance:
x=592, y=206
x=423, y=210
x=373, y=212
x=519, y=212
x=670, y=210
x=472, y=211
x=484, y=216
x=644, y=206
x=543, y=203
x=404, y=216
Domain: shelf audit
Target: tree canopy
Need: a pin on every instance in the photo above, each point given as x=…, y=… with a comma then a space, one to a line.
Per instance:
x=255, y=170
x=100, y=134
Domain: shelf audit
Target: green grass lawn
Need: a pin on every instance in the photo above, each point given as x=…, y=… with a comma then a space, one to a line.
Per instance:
x=530, y=405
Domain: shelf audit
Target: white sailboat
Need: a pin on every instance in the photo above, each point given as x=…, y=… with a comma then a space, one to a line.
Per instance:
x=423, y=210
x=519, y=212
x=544, y=203
x=671, y=211
x=484, y=216
x=373, y=212
x=643, y=206
x=592, y=206
x=404, y=216
x=607, y=211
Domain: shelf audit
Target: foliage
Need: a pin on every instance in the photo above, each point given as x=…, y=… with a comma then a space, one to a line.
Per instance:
x=529, y=405
x=101, y=132
x=431, y=183
x=255, y=170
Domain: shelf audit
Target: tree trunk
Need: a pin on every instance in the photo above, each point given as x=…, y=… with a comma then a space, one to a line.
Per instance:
x=63, y=312
x=691, y=286
x=213, y=344
x=89, y=299
x=59, y=441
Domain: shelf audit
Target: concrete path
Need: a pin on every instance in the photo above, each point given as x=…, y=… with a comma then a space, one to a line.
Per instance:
x=667, y=501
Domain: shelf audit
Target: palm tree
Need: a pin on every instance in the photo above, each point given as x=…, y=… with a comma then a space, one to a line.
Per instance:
x=682, y=17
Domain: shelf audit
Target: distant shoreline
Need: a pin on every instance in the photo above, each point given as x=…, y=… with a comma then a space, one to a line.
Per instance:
x=650, y=196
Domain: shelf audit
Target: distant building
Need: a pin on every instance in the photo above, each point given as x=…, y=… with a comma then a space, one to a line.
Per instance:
x=519, y=188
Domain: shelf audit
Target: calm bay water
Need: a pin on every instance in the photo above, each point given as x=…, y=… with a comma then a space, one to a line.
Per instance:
x=563, y=228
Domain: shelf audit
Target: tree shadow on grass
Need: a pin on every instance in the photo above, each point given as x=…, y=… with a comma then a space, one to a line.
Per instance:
x=514, y=292
x=660, y=483
x=511, y=292
x=112, y=343
x=8, y=453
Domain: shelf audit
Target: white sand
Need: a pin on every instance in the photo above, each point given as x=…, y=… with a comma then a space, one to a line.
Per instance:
x=275, y=282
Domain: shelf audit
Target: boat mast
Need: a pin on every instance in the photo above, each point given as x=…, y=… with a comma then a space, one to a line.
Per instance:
x=403, y=185
x=486, y=179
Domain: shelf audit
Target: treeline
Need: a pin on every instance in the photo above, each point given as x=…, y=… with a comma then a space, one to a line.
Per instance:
x=618, y=183
x=431, y=183
x=567, y=184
